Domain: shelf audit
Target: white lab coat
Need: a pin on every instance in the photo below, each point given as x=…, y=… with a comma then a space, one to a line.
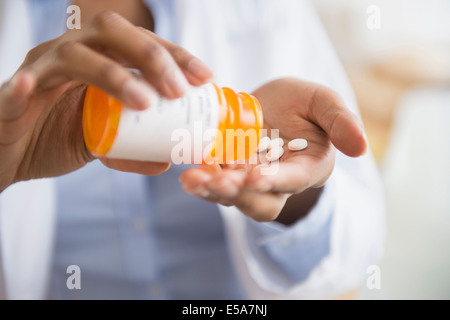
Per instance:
x=26, y=209
x=259, y=45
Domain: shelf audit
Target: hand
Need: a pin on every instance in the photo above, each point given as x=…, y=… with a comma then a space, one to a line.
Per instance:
x=298, y=109
x=40, y=107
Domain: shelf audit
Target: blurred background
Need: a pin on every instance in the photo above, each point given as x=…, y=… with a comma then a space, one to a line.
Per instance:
x=397, y=56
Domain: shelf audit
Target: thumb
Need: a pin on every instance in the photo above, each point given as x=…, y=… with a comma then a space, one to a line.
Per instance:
x=345, y=129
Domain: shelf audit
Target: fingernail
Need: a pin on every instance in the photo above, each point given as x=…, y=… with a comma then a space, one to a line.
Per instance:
x=139, y=94
x=175, y=83
x=204, y=193
x=224, y=188
x=199, y=70
x=230, y=191
x=200, y=192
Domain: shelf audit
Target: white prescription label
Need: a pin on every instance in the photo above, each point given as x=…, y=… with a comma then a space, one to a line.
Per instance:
x=180, y=128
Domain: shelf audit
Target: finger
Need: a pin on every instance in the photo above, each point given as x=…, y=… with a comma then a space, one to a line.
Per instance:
x=76, y=61
x=212, y=183
x=145, y=51
x=225, y=187
x=227, y=184
x=344, y=128
x=260, y=206
x=204, y=181
x=195, y=180
x=196, y=71
x=13, y=95
x=290, y=177
x=141, y=167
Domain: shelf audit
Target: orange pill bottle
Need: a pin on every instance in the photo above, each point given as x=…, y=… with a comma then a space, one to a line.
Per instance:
x=208, y=125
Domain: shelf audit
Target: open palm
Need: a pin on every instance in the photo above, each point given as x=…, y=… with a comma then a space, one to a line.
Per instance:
x=298, y=109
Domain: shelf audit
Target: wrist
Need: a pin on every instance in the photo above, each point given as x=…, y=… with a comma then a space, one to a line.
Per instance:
x=298, y=206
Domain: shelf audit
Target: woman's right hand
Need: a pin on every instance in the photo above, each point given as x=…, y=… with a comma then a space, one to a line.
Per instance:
x=41, y=106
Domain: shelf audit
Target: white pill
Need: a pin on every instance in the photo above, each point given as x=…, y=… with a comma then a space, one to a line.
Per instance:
x=278, y=142
x=297, y=144
x=264, y=144
x=275, y=153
